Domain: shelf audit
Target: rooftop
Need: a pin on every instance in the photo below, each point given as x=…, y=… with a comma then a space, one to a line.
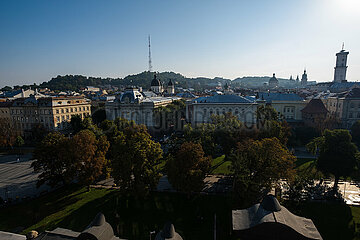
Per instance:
x=276, y=96
x=222, y=99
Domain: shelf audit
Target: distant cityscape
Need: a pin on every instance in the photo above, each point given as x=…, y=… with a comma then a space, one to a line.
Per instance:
x=175, y=116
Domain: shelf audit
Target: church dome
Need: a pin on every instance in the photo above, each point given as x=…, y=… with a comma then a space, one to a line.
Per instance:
x=155, y=82
x=273, y=82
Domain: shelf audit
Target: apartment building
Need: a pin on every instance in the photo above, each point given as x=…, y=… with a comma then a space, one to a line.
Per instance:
x=53, y=113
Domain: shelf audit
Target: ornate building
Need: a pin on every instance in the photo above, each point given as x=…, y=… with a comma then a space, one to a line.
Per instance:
x=273, y=82
x=134, y=105
x=201, y=109
x=156, y=85
x=53, y=113
x=304, y=79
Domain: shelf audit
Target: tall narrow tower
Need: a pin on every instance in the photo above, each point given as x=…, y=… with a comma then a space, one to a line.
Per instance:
x=150, y=65
x=304, y=78
x=340, y=68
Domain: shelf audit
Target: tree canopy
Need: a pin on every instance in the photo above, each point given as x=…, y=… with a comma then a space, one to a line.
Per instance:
x=257, y=164
x=337, y=155
x=188, y=168
x=135, y=158
x=61, y=160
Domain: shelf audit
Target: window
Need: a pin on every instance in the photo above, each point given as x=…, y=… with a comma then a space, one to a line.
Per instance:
x=350, y=115
x=352, y=105
x=57, y=111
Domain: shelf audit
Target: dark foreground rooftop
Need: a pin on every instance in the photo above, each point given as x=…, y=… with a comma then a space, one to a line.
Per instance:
x=98, y=229
x=270, y=220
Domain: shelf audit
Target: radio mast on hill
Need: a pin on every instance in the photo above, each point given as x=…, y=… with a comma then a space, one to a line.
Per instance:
x=150, y=65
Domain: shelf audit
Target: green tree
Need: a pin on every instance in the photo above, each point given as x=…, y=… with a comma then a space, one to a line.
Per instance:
x=337, y=155
x=271, y=124
x=202, y=134
x=78, y=124
x=19, y=141
x=257, y=164
x=8, y=133
x=355, y=131
x=38, y=132
x=188, y=168
x=53, y=160
x=135, y=158
x=89, y=156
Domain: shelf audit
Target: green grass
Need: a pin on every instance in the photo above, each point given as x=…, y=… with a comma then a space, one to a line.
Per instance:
x=131, y=217
x=333, y=220
x=220, y=166
x=48, y=211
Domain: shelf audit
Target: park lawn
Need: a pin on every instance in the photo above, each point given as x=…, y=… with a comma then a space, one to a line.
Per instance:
x=131, y=217
x=48, y=211
x=220, y=166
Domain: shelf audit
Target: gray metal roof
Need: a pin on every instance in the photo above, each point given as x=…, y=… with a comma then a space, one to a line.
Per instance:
x=11, y=236
x=257, y=215
x=276, y=96
x=222, y=99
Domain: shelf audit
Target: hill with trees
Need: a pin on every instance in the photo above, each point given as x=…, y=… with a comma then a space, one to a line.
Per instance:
x=76, y=82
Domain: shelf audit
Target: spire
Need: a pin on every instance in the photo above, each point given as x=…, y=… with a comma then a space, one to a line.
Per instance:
x=342, y=49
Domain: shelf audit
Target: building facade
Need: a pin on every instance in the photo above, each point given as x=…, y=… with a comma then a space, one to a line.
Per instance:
x=133, y=105
x=345, y=107
x=200, y=110
x=288, y=105
x=53, y=113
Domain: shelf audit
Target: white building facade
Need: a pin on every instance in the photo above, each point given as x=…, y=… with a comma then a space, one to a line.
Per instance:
x=201, y=109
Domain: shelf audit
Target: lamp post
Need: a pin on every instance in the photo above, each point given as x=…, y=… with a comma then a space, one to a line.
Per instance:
x=152, y=232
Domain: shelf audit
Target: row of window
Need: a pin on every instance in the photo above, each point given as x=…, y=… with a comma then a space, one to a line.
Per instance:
x=47, y=111
x=68, y=117
x=73, y=109
x=333, y=104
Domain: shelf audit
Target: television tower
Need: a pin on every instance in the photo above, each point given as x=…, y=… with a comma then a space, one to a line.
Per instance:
x=150, y=65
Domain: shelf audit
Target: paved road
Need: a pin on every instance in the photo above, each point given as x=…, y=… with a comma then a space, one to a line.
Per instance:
x=17, y=178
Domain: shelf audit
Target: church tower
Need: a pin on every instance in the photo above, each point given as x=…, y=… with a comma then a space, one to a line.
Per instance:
x=340, y=68
x=170, y=87
x=156, y=85
x=304, y=79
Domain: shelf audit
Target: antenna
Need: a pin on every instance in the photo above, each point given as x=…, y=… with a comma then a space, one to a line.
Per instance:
x=150, y=65
x=343, y=46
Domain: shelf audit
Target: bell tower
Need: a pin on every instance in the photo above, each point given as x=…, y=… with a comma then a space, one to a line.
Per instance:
x=340, y=68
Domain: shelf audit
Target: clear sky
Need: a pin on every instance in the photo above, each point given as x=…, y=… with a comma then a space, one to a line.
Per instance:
x=42, y=39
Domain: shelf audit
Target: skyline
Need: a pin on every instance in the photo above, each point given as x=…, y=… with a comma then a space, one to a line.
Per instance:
x=231, y=39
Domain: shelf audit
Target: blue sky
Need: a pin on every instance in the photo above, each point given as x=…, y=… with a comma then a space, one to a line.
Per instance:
x=42, y=39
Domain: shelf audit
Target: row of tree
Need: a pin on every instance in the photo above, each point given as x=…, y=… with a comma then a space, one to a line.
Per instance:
x=126, y=151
